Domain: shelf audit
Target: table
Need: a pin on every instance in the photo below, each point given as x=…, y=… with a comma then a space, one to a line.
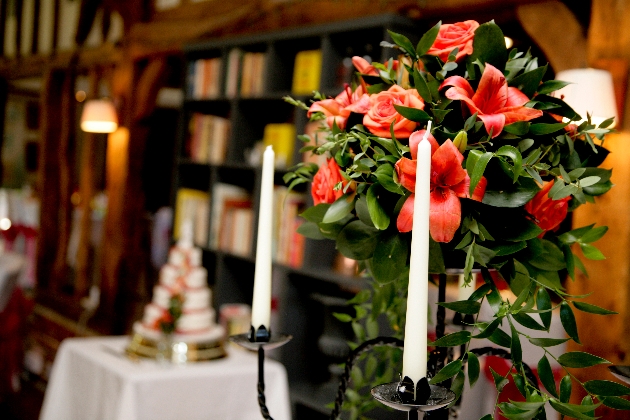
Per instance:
x=92, y=379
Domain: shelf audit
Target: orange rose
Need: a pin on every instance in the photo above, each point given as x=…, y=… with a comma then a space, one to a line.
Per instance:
x=382, y=112
x=457, y=35
x=324, y=182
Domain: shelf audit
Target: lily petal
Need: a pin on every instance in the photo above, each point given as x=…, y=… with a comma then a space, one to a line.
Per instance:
x=460, y=82
x=492, y=92
x=416, y=137
x=514, y=114
x=494, y=122
x=445, y=214
x=458, y=94
x=446, y=166
x=406, y=171
x=404, y=222
x=515, y=97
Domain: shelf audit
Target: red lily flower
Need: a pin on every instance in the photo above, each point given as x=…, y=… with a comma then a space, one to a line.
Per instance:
x=449, y=182
x=546, y=212
x=366, y=68
x=495, y=103
x=339, y=108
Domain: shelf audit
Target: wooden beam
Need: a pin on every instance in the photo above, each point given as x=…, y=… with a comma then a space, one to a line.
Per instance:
x=557, y=32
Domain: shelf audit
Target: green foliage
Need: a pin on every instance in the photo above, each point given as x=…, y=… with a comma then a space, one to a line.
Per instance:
x=501, y=234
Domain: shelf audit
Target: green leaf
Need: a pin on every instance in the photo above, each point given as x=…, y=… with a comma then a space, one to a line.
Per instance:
x=339, y=209
x=357, y=240
x=541, y=129
x=476, y=169
x=473, y=368
x=486, y=330
x=501, y=338
x=489, y=46
x=458, y=384
x=463, y=306
x=447, y=372
x=528, y=82
x=362, y=211
x=515, y=347
x=516, y=195
x=527, y=321
x=436, y=259
x=342, y=317
x=403, y=42
x=379, y=216
x=412, y=114
x=593, y=309
x=389, y=261
x=519, y=128
x=547, y=342
x=543, y=302
x=551, y=86
x=565, y=388
x=331, y=230
x=421, y=86
x=591, y=252
x=551, y=258
x=606, y=388
x=310, y=230
x=385, y=176
x=594, y=234
x=499, y=381
x=568, y=321
x=316, y=213
x=451, y=340
x=567, y=410
x=579, y=359
x=428, y=39
x=617, y=403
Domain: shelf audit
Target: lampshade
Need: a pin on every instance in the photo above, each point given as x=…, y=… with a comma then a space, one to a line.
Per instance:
x=99, y=116
x=591, y=92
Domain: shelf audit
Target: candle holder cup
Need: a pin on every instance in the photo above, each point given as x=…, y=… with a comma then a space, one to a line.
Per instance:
x=433, y=397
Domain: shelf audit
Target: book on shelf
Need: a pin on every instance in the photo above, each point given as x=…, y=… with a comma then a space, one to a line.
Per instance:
x=192, y=205
x=46, y=29
x=233, y=72
x=208, y=140
x=10, y=29
x=307, y=72
x=27, y=30
x=204, y=78
x=252, y=74
x=231, y=226
x=282, y=137
x=288, y=245
x=66, y=31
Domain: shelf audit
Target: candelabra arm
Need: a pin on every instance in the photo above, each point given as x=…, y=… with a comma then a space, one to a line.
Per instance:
x=343, y=382
x=261, y=384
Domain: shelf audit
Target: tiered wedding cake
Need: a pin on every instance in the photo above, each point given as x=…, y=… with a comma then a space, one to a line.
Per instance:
x=183, y=278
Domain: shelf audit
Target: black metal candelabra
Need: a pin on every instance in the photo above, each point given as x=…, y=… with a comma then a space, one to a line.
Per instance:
x=434, y=402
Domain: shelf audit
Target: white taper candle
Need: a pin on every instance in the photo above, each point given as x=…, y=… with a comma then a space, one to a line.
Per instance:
x=415, y=351
x=261, y=302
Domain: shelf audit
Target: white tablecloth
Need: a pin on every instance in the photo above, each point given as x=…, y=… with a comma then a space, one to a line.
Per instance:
x=91, y=379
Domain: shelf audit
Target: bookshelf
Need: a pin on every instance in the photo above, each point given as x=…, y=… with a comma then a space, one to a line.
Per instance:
x=256, y=72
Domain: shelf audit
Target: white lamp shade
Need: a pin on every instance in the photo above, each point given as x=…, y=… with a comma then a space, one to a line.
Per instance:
x=591, y=92
x=99, y=116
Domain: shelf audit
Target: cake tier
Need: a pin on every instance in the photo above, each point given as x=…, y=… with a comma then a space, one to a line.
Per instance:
x=184, y=256
x=194, y=277
x=215, y=333
x=191, y=321
x=194, y=299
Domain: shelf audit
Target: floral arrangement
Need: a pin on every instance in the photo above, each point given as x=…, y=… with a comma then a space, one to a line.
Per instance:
x=510, y=161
